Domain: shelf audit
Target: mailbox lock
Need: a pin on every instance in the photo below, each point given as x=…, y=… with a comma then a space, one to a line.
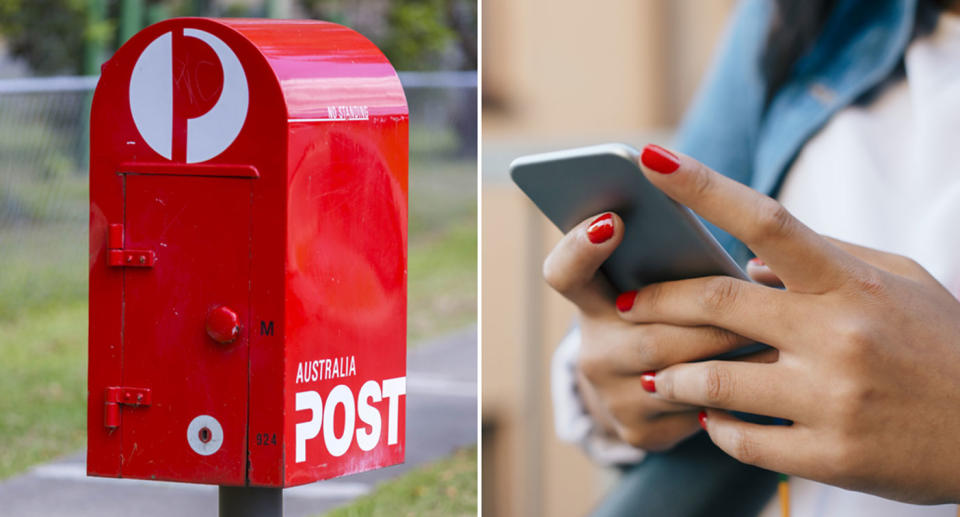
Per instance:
x=223, y=325
x=205, y=435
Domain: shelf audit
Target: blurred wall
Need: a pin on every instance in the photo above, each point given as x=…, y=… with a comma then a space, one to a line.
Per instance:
x=559, y=73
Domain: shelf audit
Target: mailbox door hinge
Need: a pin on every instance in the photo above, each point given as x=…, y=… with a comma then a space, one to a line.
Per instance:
x=120, y=257
x=115, y=396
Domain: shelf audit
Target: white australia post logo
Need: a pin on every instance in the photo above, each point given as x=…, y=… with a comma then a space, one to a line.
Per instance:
x=151, y=100
x=367, y=405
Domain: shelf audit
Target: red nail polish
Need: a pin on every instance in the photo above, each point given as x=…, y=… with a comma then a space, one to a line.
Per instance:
x=600, y=229
x=755, y=261
x=703, y=419
x=659, y=159
x=648, y=382
x=625, y=301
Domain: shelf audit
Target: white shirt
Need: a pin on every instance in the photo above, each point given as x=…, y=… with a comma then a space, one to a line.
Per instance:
x=887, y=176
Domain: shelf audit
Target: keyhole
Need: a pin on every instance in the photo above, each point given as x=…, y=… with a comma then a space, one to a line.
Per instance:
x=205, y=435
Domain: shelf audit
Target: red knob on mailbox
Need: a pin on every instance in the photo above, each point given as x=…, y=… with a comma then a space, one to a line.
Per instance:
x=223, y=325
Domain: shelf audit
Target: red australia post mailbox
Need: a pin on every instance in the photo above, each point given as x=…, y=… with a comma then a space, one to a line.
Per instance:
x=248, y=251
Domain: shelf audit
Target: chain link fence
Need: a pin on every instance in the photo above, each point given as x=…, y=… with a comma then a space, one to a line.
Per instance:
x=44, y=177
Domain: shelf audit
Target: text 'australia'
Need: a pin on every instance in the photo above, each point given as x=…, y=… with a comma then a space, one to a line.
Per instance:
x=324, y=369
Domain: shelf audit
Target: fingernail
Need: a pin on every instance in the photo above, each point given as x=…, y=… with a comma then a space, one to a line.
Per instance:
x=659, y=159
x=625, y=301
x=647, y=381
x=703, y=419
x=756, y=261
x=600, y=229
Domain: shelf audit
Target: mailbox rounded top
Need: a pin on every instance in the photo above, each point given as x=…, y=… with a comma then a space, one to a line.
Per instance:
x=200, y=91
x=323, y=70
x=322, y=65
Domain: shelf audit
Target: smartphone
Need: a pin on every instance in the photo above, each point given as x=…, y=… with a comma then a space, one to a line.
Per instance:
x=663, y=240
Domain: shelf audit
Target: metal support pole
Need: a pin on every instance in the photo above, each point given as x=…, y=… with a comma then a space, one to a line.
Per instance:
x=94, y=52
x=131, y=18
x=95, y=39
x=251, y=501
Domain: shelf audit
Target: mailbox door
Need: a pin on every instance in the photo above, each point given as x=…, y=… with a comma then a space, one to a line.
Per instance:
x=198, y=227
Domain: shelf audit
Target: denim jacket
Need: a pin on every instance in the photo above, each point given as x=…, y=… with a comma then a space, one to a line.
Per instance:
x=729, y=128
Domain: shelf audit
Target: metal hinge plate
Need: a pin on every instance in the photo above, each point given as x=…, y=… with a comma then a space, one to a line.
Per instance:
x=115, y=396
x=117, y=256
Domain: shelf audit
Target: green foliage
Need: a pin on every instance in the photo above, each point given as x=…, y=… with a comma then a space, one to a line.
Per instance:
x=418, y=35
x=49, y=33
x=414, y=34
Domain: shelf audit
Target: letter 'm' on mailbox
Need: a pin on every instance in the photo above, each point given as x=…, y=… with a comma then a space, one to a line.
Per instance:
x=248, y=252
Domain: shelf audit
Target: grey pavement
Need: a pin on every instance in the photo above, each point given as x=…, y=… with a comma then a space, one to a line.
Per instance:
x=441, y=417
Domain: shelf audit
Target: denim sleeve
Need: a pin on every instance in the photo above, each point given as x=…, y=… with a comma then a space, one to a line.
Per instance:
x=721, y=127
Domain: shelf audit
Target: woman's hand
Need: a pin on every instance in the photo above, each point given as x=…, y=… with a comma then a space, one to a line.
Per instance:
x=869, y=350
x=616, y=355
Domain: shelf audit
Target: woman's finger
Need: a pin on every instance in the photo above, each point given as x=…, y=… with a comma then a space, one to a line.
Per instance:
x=624, y=407
x=571, y=268
x=761, y=313
x=800, y=257
x=760, y=273
x=656, y=345
x=787, y=449
x=635, y=396
x=762, y=389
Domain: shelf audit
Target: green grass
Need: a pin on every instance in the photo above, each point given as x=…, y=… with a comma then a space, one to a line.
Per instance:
x=39, y=197
x=446, y=488
x=443, y=282
x=442, y=265
x=442, y=192
x=42, y=385
x=42, y=266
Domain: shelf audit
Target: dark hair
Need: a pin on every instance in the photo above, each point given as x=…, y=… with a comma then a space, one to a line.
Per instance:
x=797, y=24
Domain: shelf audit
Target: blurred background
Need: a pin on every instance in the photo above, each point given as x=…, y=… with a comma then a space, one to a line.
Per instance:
x=50, y=53
x=561, y=74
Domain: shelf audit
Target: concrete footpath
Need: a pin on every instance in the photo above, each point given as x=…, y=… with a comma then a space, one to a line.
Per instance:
x=441, y=417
